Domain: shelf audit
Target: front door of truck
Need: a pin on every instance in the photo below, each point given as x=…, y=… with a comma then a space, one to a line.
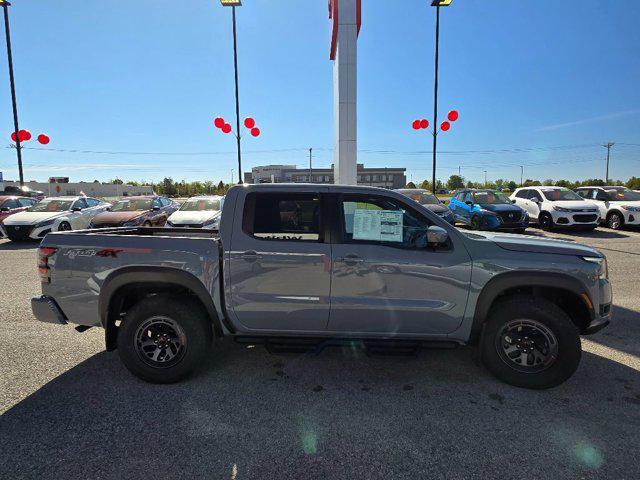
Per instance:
x=386, y=280
x=279, y=264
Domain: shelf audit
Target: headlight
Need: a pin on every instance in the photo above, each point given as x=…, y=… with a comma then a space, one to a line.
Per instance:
x=46, y=223
x=603, y=271
x=630, y=208
x=213, y=221
x=561, y=209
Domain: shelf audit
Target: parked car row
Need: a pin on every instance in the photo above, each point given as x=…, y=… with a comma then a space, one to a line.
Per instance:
x=23, y=218
x=549, y=207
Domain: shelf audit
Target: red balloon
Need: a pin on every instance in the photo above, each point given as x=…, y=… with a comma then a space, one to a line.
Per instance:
x=416, y=124
x=226, y=128
x=14, y=137
x=43, y=139
x=445, y=126
x=219, y=122
x=255, y=132
x=424, y=123
x=24, y=135
x=249, y=122
x=453, y=115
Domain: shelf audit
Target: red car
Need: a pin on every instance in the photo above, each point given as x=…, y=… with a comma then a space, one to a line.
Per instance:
x=144, y=211
x=12, y=204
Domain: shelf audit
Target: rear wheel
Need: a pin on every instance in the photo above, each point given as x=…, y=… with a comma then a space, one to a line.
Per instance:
x=530, y=342
x=163, y=339
x=615, y=221
x=475, y=222
x=546, y=221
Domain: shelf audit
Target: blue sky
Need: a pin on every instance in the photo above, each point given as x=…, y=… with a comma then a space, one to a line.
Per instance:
x=537, y=83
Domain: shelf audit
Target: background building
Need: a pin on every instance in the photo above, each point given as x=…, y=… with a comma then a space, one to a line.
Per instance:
x=384, y=177
x=61, y=186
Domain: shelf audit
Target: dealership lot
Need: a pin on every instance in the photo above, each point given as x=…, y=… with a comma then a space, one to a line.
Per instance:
x=69, y=408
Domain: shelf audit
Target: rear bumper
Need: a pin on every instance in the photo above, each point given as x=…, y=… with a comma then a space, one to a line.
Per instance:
x=47, y=310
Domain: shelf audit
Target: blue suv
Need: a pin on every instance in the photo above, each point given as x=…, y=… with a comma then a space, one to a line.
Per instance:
x=488, y=210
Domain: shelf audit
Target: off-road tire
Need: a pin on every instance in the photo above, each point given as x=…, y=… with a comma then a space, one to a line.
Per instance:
x=190, y=319
x=551, y=316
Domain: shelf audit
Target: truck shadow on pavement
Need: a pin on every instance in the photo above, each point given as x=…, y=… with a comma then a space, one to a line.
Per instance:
x=623, y=332
x=339, y=414
x=9, y=245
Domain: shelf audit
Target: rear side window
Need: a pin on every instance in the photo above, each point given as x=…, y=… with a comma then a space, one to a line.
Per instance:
x=283, y=216
x=92, y=202
x=523, y=194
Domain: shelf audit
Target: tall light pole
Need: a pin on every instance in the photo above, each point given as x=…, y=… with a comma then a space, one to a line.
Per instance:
x=311, y=165
x=5, y=7
x=608, y=147
x=437, y=4
x=233, y=4
x=521, y=173
x=485, y=179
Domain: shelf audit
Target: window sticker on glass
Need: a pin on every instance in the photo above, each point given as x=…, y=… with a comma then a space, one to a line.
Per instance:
x=377, y=225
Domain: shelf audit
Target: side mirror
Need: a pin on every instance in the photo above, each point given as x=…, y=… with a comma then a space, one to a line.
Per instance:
x=436, y=236
x=513, y=201
x=469, y=202
x=4, y=209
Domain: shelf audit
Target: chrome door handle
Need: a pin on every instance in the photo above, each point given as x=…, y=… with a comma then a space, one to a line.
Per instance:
x=250, y=256
x=351, y=259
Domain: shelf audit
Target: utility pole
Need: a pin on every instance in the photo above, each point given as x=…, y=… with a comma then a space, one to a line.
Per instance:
x=521, y=174
x=435, y=102
x=485, y=179
x=310, y=165
x=5, y=7
x=459, y=172
x=608, y=147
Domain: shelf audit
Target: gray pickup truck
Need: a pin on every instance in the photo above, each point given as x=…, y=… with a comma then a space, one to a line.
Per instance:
x=315, y=265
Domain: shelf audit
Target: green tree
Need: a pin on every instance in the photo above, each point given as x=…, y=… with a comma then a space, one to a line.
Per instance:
x=426, y=185
x=512, y=186
x=455, y=182
x=633, y=183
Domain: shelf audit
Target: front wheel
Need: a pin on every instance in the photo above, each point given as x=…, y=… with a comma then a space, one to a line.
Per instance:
x=615, y=221
x=545, y=221
x=64, y=227
x=163, y=339
x=530, y=342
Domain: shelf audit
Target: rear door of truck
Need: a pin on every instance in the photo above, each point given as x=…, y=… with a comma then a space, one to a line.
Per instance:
x=279, y=261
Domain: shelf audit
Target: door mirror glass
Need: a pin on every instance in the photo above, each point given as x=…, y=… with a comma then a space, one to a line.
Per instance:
x=436, y=236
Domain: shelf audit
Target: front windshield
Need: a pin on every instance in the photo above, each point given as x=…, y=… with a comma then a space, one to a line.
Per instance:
x=51, y=206
x=200, y=204
x=132, y=205
x=623, y=194
x=490, y=198
x=561, y=195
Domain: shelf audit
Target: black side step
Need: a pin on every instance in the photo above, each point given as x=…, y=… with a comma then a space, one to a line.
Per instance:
x=280, y=345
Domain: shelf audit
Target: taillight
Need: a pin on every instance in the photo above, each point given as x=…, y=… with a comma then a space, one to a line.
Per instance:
x=44, y=253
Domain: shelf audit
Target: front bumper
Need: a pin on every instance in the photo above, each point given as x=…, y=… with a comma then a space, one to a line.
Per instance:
x=47, y=310
x=494, y=222
x=574, y=219
x=631, y=217
x=603, y=315
x=19, y=233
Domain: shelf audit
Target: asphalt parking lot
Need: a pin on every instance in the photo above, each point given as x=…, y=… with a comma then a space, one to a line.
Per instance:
x=71, y=410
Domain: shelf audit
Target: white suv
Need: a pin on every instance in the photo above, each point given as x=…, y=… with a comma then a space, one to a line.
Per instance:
x=619, y=206
x=555, y=207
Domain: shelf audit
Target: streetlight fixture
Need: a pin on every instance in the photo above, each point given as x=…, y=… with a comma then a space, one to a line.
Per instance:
x=437, y=4
x=5, y=6
x=233, y=4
